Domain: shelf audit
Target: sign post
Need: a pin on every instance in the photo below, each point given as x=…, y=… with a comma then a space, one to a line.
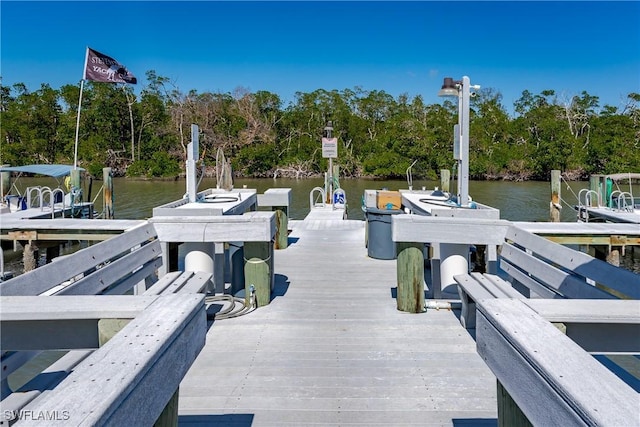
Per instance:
x=330, y=151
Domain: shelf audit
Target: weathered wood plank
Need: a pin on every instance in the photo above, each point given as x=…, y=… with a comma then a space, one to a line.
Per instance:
x=621, y=280
x=332, y=348
x=148, y=367
x=430, y=229
x=248, y=227
x=41, y=279
x=63, y=322
x=275, y=197
x=611, y=326
x=161, y=285
x=543, y=370
x=556, y=280
x=474, y=287
x=121, y=271
x=189, y=282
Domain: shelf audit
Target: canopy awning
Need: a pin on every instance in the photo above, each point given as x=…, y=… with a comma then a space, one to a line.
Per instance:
x=55, y=171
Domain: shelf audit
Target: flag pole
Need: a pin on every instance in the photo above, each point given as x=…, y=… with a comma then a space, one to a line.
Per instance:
x=75, y=148
x=75, y=151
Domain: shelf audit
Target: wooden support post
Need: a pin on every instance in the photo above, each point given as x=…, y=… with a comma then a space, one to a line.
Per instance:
x=107, y=328
x=555, y=206
x=595, y=185
x=257, y=258
x=613, y=257
x=282, y=227
x=107, y=193
x=480, y=259
x=30, y=256
x=75, y=180
x=169, y=415
x=509, y=414
x=218, y=269
x=445, y=179
x=410, y=274
x=52, y=252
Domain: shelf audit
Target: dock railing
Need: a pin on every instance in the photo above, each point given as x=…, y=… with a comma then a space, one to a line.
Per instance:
x=545, y=376
x=92, y=311
x=128, y=380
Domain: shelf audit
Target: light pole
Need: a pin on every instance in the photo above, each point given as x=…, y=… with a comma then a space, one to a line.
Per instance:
x=462, y=90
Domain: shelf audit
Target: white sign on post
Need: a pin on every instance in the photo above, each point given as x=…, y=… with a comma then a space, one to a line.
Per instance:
x=329, y=148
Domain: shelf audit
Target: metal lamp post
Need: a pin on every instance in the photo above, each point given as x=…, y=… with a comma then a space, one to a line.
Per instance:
x=462, y=90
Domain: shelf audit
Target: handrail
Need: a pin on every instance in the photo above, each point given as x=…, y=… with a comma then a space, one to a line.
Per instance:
x=53, y=197
x=45, y=198
x=320, y=190
x=587, y=195
x=622, y=201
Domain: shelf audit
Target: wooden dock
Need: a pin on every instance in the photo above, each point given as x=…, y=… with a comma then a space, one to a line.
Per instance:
x=332, y=349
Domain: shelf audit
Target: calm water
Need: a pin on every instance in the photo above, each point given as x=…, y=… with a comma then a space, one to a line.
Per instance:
x=517, y=201
x=522, y=201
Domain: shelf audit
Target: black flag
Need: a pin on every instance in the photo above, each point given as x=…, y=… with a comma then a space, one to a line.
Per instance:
x=102, y=68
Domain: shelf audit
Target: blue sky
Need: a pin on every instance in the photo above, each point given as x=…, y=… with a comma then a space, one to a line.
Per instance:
x=288, y=47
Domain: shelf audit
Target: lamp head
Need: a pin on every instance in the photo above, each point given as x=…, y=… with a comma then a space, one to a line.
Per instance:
x=449, y=88
x=329, y=125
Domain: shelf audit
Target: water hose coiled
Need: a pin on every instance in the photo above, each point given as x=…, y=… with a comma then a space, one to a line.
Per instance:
x=237, y=306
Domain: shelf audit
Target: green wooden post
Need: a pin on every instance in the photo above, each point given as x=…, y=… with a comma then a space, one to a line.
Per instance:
x=509, y=414
x=596, y=184
x=257, y=258
x=410, y=273
x=75, y=184
x=445, y=179
x=107, y=328
x=554, y=205
x=107, y=193
x=75, y=178
x=282, y=227
x=169, y=415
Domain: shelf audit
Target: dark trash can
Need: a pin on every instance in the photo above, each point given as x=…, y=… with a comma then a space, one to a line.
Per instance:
x=379, y=244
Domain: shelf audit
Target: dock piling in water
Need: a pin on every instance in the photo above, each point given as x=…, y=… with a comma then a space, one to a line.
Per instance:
x=107, y=193
x=554, y=206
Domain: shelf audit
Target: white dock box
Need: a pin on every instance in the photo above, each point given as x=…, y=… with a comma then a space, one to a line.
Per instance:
x=371, y=198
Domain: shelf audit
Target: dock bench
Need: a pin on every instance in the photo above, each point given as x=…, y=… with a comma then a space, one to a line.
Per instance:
x=132, y=379
x=539, y=267
x=113, y=267
x=552, y=378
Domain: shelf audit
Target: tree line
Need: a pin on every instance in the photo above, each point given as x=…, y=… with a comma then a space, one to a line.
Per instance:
x=379, y=136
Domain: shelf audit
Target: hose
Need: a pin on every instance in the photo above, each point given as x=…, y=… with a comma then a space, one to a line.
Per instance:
x=233, y=310
x=438, y=304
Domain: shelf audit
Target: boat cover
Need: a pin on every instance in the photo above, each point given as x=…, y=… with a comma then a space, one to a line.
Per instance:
x=55, y=171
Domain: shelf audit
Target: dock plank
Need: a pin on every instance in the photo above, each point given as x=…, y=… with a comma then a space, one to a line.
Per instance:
x=332, y=349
